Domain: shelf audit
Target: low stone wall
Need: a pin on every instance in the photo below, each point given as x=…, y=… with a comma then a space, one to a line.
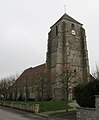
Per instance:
x=86, y=113
x=22, y=106
x=89, y=113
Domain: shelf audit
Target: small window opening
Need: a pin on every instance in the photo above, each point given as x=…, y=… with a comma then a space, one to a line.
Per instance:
x=75, y=71
x=56, y=30
x=72, y=26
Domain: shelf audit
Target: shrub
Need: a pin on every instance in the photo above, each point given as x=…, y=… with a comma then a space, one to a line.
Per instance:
x=31, y=99
x=20, y=98
x=85, y=93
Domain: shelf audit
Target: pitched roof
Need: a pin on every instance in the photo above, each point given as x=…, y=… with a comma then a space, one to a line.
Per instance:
x=35, y=70
x=29, y=74
x=67, y=17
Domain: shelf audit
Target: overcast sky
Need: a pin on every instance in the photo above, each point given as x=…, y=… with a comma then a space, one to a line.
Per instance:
x=24, y=27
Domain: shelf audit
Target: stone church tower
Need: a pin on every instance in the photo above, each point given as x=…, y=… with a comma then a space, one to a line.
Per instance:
x=67, y=49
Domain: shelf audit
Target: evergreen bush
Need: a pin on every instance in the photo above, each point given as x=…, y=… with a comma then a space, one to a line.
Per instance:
x=85, y=93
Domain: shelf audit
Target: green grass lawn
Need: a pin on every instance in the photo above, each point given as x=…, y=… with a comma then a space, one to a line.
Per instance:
x=49, y=105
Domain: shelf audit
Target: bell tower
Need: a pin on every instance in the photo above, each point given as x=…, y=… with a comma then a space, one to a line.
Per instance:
x=67, y=48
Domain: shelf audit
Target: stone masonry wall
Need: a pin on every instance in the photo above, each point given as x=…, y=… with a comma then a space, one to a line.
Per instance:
x=89, y=113
x=21, y=106
x=85, y=113
x=66, y=51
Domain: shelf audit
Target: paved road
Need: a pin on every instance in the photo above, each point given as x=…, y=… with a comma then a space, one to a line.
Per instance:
x=13, y=114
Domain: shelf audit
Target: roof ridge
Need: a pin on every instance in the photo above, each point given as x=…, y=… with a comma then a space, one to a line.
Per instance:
x=69, y=18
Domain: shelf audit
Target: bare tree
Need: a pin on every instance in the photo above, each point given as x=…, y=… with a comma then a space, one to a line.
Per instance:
x=43, y=86
x=11, y=81
x=15, y=91
x=5, y=86
x=41, y=79
x=26, y=89
x=96, y=72
x=23, y=90
x=66, y=81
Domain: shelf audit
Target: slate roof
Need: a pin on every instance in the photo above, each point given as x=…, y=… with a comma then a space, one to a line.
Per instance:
x=67, y=17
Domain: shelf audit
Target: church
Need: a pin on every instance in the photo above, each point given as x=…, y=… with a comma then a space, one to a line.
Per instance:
x=66, y=51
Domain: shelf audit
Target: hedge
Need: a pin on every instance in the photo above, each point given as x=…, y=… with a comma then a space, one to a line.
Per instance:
x=85, y=93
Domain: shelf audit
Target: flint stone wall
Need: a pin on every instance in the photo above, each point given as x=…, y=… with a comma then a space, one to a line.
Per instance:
x=89, y=113
x=85, y=113
x=22, y=106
